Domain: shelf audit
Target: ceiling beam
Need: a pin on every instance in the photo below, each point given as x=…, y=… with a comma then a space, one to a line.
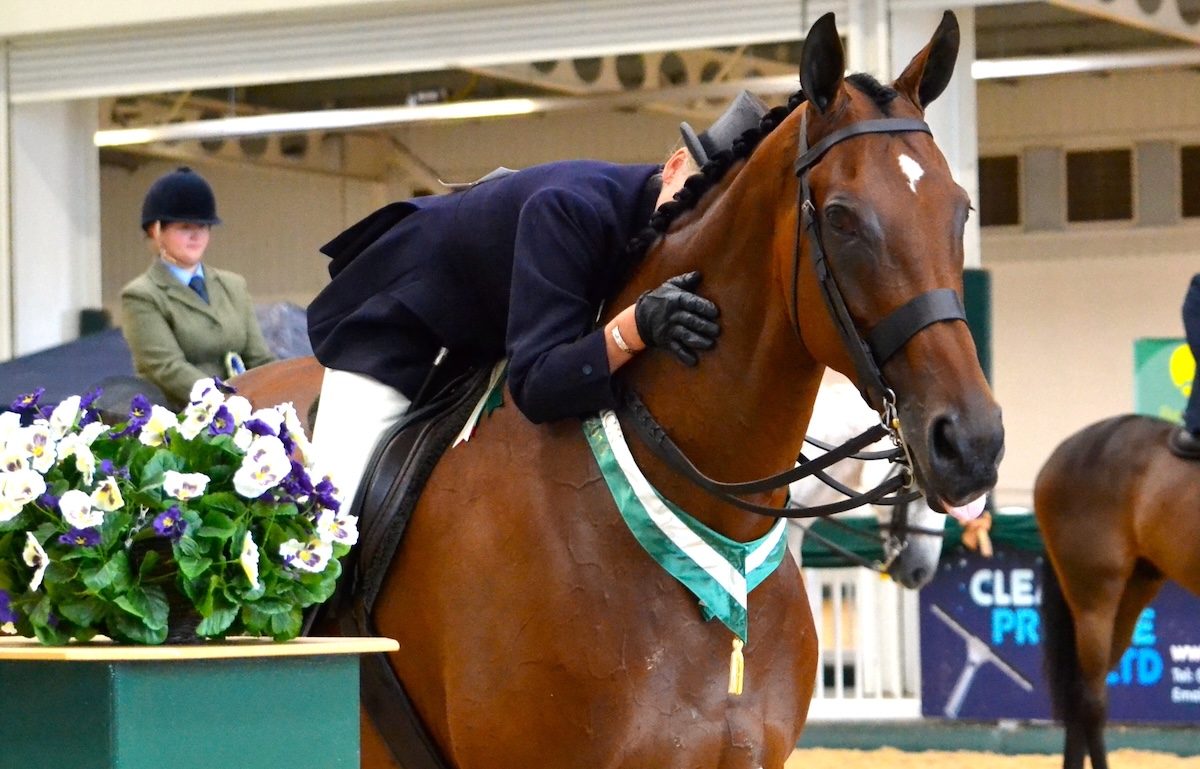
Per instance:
x=1165, y=19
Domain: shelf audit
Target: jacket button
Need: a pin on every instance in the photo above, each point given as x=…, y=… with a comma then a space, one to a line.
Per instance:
x=587, y=369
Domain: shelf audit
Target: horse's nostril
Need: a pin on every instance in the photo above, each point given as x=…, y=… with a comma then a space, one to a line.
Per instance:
x=918, y=576
x=944, y=439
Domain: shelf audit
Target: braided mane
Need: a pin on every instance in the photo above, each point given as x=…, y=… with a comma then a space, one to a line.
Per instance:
x=710, y=175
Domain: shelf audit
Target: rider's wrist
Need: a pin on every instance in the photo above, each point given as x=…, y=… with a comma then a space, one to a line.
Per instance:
x=620, y=340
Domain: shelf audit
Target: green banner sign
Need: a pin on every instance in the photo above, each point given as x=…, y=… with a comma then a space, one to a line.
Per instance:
x=1163, y=370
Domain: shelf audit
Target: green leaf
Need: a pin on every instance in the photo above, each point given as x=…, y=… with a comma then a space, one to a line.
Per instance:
x=159, y=609
x=130, y=629
x=217, y=525
x=163, y=460
x=115, y=573
x=216, y=623
x=285, y=627
x=192, y=567
x=83, y=611
x=225, y=501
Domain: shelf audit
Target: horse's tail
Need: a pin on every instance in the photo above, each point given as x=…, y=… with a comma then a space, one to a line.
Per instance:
x=1061, y=657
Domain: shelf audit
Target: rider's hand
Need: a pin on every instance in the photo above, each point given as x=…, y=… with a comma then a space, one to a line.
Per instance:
x=674, y=318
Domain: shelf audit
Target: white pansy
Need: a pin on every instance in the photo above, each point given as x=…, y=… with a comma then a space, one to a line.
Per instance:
x=184, y=486
x=313, y=555
x=266, y=464
x=107, y=496
x=36, y=557
x=239, y=408
x=62, y=419
x=85, y=460
x=37, y=443
x=155, y=429
x=249, y=560
x=23, y=486
x=335, y=527
x=76, y=509
x=13, y=459
x=197, y=416
x=91, y=431
x=242, y=438
x=205, y=392
x=10, y=422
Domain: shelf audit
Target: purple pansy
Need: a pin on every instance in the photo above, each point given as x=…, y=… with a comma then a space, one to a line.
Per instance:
x=48, y=501
x=28, y=402
x=325, y=494
x=81, y=537
x=7, y=613
x=87, y=413
x=224, y=387
x=259, y=427
x=297, y=483
x=170, y=524
x=139, y=415
x=222, y=422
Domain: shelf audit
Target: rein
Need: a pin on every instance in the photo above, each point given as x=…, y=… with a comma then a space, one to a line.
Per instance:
x=869, y=354
x=893, y=544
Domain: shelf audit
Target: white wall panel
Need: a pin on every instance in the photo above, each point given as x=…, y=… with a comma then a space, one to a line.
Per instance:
x=381, y=39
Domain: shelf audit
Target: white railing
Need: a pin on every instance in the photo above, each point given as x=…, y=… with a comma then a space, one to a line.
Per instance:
x=869, y=639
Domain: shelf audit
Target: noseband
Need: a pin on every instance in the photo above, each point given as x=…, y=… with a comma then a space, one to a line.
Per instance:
x=868, y=355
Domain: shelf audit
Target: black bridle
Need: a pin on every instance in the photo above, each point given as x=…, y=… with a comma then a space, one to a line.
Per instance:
x=894, y=536
x=883, y=341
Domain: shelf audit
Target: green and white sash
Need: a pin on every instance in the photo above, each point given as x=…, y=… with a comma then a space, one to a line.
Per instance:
x=719, y=571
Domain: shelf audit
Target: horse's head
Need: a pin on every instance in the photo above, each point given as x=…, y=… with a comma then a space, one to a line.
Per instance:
x=885, y=220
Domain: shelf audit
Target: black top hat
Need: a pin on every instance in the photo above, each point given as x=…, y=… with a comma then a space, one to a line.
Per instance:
x=743, y=114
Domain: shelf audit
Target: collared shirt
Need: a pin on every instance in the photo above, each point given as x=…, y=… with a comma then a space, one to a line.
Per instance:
x=182, y=274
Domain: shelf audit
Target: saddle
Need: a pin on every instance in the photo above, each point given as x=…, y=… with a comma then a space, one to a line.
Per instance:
x=399, y=468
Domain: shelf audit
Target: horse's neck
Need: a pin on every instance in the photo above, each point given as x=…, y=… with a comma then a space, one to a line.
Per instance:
x=741, y=413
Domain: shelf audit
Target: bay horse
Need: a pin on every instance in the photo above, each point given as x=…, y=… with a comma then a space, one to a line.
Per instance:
x=534, y=629
x=1119, y=515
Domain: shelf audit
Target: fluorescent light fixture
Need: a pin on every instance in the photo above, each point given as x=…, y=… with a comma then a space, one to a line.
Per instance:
x=346, y=119
x=991, y=69
x=320, y=120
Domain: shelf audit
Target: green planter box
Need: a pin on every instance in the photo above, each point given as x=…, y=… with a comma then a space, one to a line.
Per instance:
x=243, y=703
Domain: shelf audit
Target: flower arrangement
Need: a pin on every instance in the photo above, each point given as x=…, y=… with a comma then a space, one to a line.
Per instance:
x=215, y=512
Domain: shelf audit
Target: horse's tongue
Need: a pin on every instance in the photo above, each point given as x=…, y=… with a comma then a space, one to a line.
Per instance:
x=969, y=511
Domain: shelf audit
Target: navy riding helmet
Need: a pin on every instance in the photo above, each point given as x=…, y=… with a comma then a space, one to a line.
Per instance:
x=180, y=196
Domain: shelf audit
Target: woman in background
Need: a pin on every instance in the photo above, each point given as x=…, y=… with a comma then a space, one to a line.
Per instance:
x=185, y=321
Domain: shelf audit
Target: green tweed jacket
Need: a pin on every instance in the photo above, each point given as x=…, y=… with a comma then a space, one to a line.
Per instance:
x=176, y=338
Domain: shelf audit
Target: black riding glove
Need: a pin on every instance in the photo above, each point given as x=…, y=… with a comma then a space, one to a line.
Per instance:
x=673, y=317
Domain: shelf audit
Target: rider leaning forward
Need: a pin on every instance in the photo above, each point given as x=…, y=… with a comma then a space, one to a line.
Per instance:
x=516, y=265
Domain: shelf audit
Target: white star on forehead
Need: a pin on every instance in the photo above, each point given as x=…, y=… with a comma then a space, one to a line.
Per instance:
x=912, y=169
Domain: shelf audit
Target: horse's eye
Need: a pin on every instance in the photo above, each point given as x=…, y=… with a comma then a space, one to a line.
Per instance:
x=840, y=218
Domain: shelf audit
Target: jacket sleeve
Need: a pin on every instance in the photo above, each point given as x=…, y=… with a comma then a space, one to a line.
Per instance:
x=558, y=365
x=256, y=352
x=157, y=355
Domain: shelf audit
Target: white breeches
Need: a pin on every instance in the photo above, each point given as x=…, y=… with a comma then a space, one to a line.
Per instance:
x=354, y=412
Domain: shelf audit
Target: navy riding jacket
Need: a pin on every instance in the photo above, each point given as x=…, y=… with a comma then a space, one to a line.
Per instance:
x=518, y=265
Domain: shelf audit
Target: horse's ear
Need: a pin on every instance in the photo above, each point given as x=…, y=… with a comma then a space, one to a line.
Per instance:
x=928, y=74
x=822, y=64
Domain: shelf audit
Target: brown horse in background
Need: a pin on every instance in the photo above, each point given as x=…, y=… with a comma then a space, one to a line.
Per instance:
x=534, y=630
x=295, y=380
x=1119, y=515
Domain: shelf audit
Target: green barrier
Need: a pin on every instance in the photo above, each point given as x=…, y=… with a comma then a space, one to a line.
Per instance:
x=1012, y=531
